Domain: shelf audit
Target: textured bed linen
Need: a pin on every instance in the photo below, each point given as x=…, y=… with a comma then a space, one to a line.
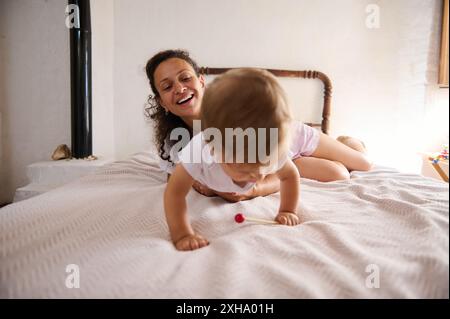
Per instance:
x=111, y=224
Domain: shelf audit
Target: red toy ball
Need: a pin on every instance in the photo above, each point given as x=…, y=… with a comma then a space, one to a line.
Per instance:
x=239, y=218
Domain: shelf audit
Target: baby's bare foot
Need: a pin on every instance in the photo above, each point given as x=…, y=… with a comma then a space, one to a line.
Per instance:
x=353, y=143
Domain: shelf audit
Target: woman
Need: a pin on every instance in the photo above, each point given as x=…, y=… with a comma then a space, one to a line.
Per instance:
x=178, y=91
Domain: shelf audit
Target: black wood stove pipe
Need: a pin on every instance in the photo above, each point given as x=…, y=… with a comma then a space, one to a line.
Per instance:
x=81, y=80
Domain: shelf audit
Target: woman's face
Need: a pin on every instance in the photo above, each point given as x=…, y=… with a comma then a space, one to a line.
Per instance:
x=180, y=90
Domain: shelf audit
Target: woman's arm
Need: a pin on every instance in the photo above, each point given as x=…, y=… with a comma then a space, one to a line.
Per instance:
x=269, y=185
x=181, y=232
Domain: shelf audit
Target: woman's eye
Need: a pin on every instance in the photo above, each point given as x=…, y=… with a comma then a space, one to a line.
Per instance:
x=166, y=88
x=186, y=78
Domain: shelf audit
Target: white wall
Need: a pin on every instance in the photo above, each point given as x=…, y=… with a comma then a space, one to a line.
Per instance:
x=436, y=99
x=380, y=76
x=384, y=79
x=102, y=25
x=34, y=86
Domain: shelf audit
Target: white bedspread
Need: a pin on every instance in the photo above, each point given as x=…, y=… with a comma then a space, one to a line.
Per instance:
x=111, y=224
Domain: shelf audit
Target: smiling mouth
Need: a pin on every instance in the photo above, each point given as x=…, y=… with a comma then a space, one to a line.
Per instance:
x=186, y=99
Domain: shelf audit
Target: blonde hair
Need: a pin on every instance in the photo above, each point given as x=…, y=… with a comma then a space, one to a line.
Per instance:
x=248, y=98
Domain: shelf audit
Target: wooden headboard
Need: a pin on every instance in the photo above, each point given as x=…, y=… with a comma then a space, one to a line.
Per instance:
x=295, y=74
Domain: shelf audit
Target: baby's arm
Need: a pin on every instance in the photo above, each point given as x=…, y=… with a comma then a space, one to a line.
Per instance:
x=289, y=194
x=181, y=232
x=269, y=185
x=200, y=188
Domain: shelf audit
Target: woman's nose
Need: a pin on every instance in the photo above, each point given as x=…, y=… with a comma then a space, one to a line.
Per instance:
x=179, y=87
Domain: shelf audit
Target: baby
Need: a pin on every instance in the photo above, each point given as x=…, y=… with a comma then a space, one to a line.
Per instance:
x=244, y=101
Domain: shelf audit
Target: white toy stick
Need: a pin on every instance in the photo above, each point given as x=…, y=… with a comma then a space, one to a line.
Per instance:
x=240, y=218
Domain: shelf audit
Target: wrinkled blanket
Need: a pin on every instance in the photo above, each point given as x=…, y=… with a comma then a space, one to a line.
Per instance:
x=381, y=234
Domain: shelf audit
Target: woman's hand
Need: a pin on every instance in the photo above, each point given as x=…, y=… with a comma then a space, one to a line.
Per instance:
x=191, y=242
x=267, y=186
x=202, y=189
x=236, y=197
x=287, y=218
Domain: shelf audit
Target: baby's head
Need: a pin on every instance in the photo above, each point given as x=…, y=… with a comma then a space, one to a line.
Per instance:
x=250, y=110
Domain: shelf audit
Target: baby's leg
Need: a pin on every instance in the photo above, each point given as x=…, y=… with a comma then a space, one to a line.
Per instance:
x=320, y=169
x=332, y=160
x=333, y=150
x=352, y=142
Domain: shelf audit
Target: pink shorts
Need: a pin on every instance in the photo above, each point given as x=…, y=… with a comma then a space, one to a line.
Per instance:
x=305, y=140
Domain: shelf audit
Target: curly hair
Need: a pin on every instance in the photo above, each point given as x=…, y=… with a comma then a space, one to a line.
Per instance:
x=164, y=122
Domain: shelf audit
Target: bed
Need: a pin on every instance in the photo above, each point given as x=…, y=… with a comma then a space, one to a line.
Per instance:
x=381, y=234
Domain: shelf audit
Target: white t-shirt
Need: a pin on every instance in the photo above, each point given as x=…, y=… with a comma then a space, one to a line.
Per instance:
x=198, y=161
x=304, y=140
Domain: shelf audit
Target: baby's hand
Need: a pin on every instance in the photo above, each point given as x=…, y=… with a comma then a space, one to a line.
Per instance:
x=191, y=242
x=287, y=218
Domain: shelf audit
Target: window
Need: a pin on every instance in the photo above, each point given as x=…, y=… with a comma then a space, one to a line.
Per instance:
x=443, y=66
